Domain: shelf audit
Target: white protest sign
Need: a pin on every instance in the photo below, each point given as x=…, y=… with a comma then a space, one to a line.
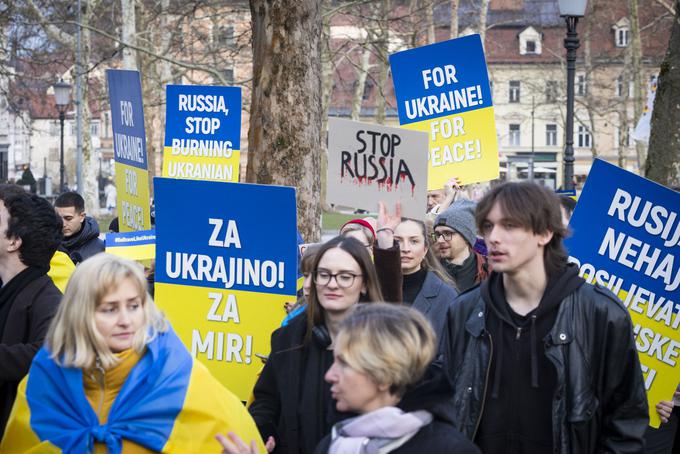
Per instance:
x=368, y=163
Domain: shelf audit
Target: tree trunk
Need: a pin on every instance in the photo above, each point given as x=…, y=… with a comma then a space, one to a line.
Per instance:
x=362, y=73
x=284, y=139
x=128, y=33
x=383, y=66
x=429, y=20
x=639, y=99
x=663, y=156
x=90, y=189
x=483, y=13
x=454, y=19
x=327, y=93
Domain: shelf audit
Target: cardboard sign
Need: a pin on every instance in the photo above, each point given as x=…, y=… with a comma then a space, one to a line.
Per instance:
x=129, y=146
x=202, y=132
x=140, y=245
x=368, y=163
x=224, y=272
x=443, y=89
x=626, y=231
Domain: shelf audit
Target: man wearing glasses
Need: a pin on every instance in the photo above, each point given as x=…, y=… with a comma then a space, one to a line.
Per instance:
x=454, y=238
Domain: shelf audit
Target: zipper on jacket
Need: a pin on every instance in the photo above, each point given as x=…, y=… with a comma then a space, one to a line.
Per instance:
x=486, y=385
x=519, y=332
x=102, y=384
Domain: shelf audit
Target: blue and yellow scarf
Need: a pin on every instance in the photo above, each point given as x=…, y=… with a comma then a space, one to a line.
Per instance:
x=168, y=403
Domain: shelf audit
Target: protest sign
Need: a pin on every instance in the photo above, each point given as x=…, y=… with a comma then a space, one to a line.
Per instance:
x=139, y=245
x=202, y=132
x=368, y=163
x=443, y=89
x=129, y=146
x=224, y=272
x=626, y=232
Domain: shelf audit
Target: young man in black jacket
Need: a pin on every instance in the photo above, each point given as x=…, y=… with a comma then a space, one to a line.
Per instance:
x=541, y=361
x=30, y=232
x=81, y=232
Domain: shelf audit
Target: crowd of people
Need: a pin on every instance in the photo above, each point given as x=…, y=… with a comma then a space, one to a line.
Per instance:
x=467, y=331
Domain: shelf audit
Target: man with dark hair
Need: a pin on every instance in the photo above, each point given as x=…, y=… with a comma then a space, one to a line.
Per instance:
x=454, y=239
x=30, y=233
x=568, y=205
x=81, y=232
x=541, y=361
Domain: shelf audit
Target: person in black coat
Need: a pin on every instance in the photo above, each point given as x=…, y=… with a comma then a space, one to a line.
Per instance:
x=292, y=404
x=30, y=232
x=380, y=351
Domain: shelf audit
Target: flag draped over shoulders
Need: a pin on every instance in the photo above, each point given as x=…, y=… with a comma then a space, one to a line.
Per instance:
x=168, y=403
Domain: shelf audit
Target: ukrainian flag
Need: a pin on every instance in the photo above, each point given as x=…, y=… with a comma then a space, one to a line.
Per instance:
x=169, y=403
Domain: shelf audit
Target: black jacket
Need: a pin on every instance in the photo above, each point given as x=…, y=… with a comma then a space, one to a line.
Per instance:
x=599, y=403
x=28, y=320
x=83, y=244
x=291, y=391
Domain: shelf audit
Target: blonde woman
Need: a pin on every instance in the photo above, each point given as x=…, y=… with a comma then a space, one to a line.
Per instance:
x=380, y=351
x=113, y=377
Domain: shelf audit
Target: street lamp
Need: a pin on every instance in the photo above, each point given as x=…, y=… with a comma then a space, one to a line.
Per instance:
x=62, y=97
x=571, y=10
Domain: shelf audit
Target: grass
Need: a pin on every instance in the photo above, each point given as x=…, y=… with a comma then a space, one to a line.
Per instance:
x=334, y=220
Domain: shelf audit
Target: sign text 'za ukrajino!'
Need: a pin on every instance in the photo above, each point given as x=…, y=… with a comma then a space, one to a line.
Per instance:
x=129, y=146
x=626, y=237
x=370, y=163
x=443, y=89
x=202, y=132
x=223, y=273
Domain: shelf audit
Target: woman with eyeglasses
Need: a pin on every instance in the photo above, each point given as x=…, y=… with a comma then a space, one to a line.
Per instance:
x=293, y=408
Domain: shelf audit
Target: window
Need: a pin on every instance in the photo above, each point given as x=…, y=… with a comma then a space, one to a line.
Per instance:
x=229, y=76
x=622, y=37
x=619, y=86
x=551, y=135
x=513, y=135
x=584, y=138
x=94, y=128
x=629, y=137
x=551, y=91
x=514, y=91
x=531, y=47
x=224, y=36
x=581, y=85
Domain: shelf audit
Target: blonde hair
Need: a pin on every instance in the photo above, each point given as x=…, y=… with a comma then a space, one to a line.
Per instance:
x=73, y=339
x=392, y=344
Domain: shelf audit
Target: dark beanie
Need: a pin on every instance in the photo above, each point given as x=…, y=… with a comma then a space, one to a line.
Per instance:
x=460, y=216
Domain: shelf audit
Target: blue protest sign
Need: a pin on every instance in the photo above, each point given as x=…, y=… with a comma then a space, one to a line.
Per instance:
x=226, y=264
x=441, y=79
x=129, y=146
x=443, y=90
x=226, y=245
x=626, y=232
x=127, y=117
x=202, y=132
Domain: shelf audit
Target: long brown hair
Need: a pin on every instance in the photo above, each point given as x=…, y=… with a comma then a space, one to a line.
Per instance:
x=430, y=261
x=315, y=312
x=535, y=208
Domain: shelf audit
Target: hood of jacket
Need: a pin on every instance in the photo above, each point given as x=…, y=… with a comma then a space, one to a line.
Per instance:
x=89, y=231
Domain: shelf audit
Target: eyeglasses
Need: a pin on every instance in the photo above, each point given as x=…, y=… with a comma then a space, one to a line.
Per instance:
x=343, y=279
x=447, y=235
